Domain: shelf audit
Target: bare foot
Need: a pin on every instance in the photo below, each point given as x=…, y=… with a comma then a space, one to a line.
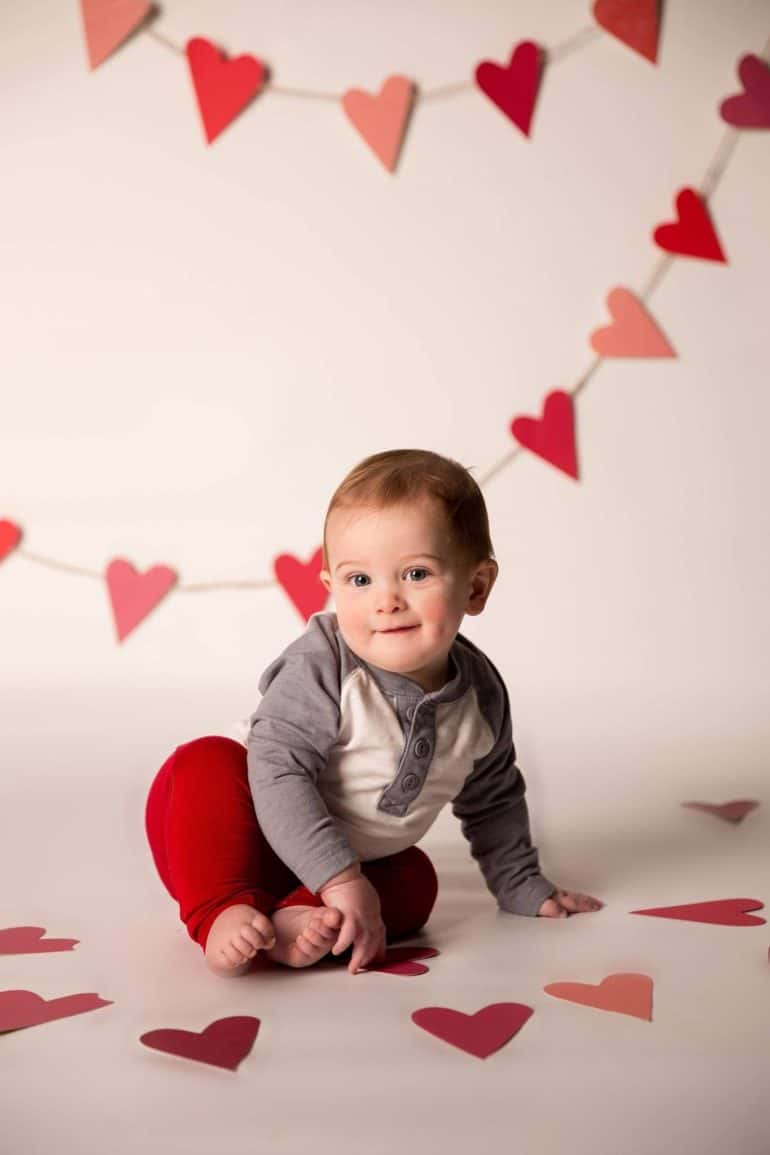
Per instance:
x=304, y=934
x=235, y=937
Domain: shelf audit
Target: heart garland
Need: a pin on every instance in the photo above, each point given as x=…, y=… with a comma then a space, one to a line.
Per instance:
x=223, y=87
x=107, y=23
x=382, y=119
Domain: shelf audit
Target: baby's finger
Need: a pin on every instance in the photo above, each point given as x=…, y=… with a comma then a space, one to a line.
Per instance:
x=232, y=955
x=346, y=936
x=249, y=939
x=552, y=908
x=363, y=952
x=579, y=903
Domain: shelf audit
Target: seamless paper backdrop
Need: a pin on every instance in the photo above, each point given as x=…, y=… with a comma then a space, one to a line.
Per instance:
x=199, y=342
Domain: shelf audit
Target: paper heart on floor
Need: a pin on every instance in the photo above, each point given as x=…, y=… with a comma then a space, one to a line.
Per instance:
x=402, y=960
x=734, y=811
x=633, y=332
x=223, y=87
x=513, y=88
x=552, y=436
x=223, y=1043
x=479, y=1034
x=382, y=119
x=627, y=994
x=751, y=108
x=722, y=911
x=107, y=23
x=26, y=1009
x=635, y=22
x=301, y=582
x=29, y=940
x=10, y=536
x=133, y=594
x=692, y=235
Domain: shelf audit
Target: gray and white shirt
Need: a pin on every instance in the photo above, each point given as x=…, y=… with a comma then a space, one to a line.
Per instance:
x=348, y=762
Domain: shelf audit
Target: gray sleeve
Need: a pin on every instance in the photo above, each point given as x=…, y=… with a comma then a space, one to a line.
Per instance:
x=291, y=733
x=495, y=820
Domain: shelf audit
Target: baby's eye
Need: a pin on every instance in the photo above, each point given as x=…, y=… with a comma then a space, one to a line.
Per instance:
x=418, y=569
x=351, y=579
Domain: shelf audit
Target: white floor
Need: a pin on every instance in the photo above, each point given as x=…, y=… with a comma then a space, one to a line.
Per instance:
x=338, y=1065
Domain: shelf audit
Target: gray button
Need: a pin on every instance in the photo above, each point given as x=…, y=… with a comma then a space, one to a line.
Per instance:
x=411, y=782
x=410, y=713
x=421, y=747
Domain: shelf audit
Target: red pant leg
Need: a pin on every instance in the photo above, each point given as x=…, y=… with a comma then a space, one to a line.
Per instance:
x=205, y=839
x=407, y=886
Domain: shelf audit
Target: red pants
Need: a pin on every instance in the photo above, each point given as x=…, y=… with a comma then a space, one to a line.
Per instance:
x=211, y=853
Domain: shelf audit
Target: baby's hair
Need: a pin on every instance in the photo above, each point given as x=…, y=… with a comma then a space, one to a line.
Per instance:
x=402, y=475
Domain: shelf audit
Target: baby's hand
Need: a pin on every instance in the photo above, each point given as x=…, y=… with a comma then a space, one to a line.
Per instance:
x=564, y=902
x=362, y=924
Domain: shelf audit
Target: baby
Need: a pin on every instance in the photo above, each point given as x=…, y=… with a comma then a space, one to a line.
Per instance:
x=380, y=713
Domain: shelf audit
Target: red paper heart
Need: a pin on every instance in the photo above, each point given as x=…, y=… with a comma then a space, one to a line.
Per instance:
x=223, y=1043
x=107, y=23
x=223, y=87
x=382, y=119
x=626, y=994
x=301, y=581
x=635, y=22
x=26, y=1009
x=133, y=595
x=749, y=109
x=29, y=940
x=513, y=88
x=478, y=1034
x=722, y=912
x=10, y=536
x=401, y=960
x=734, y=811
x=692, y=235
x=633, y=332
x=551, y=437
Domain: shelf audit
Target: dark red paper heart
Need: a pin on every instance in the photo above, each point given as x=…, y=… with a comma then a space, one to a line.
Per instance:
x=401, y=960
x=301, y=582
x=480, y=1034
x=513, y=88
x=722, y=911
x=692, y=235
x=552, y=436
x=223, y=1043
x=734, y=811
x=29, y=940
x=635, y=22
x=26, y=1009
x=751, y=108
x=10, y=536
x=223, y=87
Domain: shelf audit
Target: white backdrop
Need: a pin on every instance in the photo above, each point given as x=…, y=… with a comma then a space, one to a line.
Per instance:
x=199, y=342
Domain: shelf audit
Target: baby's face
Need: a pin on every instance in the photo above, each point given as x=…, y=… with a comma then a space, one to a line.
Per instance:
x=399, y=587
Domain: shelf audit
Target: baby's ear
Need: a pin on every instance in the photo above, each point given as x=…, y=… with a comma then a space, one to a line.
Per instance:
x=325, y=577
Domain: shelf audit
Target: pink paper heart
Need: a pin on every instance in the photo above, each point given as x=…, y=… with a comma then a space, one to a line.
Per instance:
x=513, y=88
x=133, y=594
x=722, y=912
x=107, y=23
x=552, y=436
x=626, y=994
x=633, y=332
x=29, y=940
x=223, y=1043
x=222, y=87
x=751, y=108
x=692, y=234
x=382, y=119
x=10, y=536
x=301, y=582
x=734, y=811
x=479, y=1034
x=26, y=1009
x=401, y=960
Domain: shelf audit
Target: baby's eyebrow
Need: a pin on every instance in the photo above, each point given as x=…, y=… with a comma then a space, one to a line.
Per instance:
x=408, y=557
